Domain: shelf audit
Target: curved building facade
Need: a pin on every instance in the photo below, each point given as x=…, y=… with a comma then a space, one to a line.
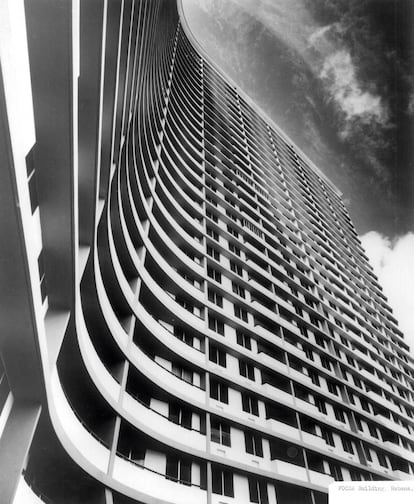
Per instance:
x=187, y=314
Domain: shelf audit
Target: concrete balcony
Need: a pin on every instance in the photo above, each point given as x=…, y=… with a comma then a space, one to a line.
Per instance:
x=223, y=499
x=284, y=429
x=237, y=453
x=294, y=471
x=294, y=350
x=367, y=375
x=316, y=441
x=262, y=331
x=401, y=475
x=297, y=375
x=391, y=425
x=259, y=287
x=306, y=406
x=384, y=402
x=156, y=422
x=165, y=378
x=273, y=364
x=321, y=479
x=353, y=457
x=277, y=394
x=400, y=450
x=156, y=485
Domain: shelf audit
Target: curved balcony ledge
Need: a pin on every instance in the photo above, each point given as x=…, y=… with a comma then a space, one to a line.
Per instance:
x=77, y=440
x=109, y=387
x=400, y=450
x=147, y=420
x=121, y=337
x=277, y=394
x=156, y=485
x=176, y=434
x=401, y=475
x=282, y=428
x=294, y=471
x=169, y=382
x=109, y=315
x=321, y=479
x=165, y=239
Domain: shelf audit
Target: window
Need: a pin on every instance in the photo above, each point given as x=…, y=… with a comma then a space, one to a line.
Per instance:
x=333, y=389
x=308, y=353
x=212, y=252
x=358, y=423
x=185, y=303
x=320, y=404
x=179, y=415
x=250, y=404
x=253, y=443
x=319, y=340
x=232, y=216
x=355, y=475
x=236, y=268
x=215, y=297
x=364, y=404
x=244, y=340
x=315, y=321
x=220, y=432
x=183, y=335
x=183, y=373
x=219, y=391
x=222, y=482
x=238, y=289
x=211, y=187
x=314, y=377
x=217, y=356
x=339, y=414
x=211, y=216
x=373, y=430
x=246, y=370
x=367, y=452
x=240, y=313
x=258, y=491
x=298, y=310
x=357, y=382
x=213, y=234
x=216, y=325
x=326, y=363
x=178, y=470
x=347, y=445
x=350, y=360
x=214, y=274
x=232, y=231
x=382, y=459
x=211, y=201
x=336, y=471
x=327, y=436
x=234, y=249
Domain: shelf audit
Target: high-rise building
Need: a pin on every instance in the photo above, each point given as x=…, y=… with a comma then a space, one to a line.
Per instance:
x=187, y=315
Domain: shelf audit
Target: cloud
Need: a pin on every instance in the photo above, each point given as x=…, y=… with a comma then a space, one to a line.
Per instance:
x=394, y=266
x=339, y=76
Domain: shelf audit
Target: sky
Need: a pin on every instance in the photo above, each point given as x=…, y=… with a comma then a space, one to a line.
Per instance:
x=338, y=77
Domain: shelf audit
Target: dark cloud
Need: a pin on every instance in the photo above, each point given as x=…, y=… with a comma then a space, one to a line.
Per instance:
x=338, y=77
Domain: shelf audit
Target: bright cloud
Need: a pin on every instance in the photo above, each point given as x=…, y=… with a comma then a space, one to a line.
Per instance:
x=338, y=73
x=393, y=263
